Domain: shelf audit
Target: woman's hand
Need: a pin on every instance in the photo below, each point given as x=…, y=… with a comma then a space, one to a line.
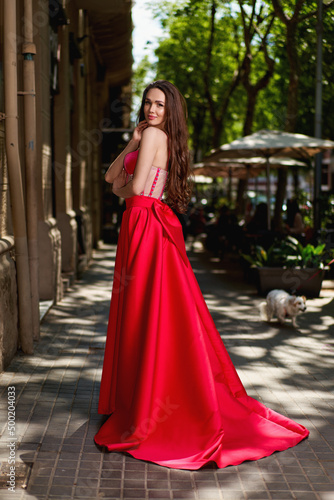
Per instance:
x=139, y=130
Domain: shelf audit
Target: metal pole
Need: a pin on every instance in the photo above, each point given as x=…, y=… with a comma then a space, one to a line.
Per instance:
x=15, y=178
x=318, y=121
x=28, y=51
x=229, y=192
x=268, y=195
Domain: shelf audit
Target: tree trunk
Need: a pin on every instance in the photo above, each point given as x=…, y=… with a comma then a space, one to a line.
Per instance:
x=241, y=200
x=243, y=183
x=292, y=104
x=217, y=118
x=217, y=132
x=291, y=116
x=251, y=103
x=198, y=127
x=250, y=29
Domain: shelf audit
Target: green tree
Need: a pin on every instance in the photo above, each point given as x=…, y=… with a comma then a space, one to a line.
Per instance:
x=211, y=48
x=291, y=16
x=201, y=55
x=256, y=28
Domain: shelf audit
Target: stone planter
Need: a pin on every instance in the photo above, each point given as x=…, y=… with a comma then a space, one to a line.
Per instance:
x=301, y=281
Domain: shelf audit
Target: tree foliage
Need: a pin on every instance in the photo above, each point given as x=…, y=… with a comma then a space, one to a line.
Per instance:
x=218, y=52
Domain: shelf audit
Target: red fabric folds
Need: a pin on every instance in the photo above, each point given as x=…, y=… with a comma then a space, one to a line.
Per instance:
x=168, y=384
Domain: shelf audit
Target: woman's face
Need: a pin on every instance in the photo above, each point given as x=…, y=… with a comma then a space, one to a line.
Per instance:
x=154, y=108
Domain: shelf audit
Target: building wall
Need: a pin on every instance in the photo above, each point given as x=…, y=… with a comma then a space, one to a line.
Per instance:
x=71, y=99
x=49, y=236
x=8, y=302
x=8, y=290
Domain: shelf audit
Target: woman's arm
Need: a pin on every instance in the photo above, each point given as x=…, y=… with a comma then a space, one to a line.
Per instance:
x=152, y=139
x=116, y=167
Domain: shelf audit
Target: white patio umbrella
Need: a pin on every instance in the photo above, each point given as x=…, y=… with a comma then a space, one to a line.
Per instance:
x=243, y=168
x=270, y=144
x=230, y=169
x=226, y=168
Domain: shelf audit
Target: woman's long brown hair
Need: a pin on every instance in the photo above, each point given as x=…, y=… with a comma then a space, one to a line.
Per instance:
x=178, y=188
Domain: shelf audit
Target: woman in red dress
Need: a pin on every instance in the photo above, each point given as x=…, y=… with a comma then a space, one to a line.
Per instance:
x=168, y=384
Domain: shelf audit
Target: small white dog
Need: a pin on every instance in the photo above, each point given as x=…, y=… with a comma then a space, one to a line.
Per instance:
x=280, y=304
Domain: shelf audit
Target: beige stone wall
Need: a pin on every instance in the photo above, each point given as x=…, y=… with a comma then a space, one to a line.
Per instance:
x=8, y=290
x=68, y=150
x=49, y=237
x=5, y=213
x=42, y=72
x=8, y=303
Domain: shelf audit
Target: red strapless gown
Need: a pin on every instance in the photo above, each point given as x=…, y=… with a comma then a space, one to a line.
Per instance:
x=168, y=383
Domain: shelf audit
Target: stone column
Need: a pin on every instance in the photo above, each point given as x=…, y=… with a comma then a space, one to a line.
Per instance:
x=81, y=147
x=49, y=237
x=65, y=214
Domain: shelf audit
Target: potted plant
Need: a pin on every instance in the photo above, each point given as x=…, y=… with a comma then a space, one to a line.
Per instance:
x=290, y=266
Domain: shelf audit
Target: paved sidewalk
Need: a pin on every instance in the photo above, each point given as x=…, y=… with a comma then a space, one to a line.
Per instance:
x=56, y=393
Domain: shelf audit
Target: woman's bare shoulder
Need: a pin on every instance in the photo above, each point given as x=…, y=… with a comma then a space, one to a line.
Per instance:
x=154, y=133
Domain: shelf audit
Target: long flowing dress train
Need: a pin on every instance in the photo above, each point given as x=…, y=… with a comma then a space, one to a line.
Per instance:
x=168, y=383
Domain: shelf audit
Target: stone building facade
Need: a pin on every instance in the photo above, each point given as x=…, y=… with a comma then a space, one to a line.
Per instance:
x=62, y=62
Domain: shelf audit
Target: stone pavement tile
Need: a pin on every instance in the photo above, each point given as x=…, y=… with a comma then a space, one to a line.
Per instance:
x=183, y=495
x=40, y=480
x=61, y=491
x=257, y=495
x=176, y=475
x=60, y=481
x=135, y=466
x=295, y=478
x=90, y=458
x=294, y=486
x=60, y=471
x=158, y=484
x=17, y=495
x=134, y=484
x=159, y=495
x=81, y=492
x=323, y=487
x=206, y=484
x=209, y=494
x=230, y=485
x=249, y=480
x=158, y=475
x=204, y=475
x=277, y=485
x=56, y=497
x=318, y=475
x=110, y=483
x=67, y=464
x=89, y=482
x=300, y=495
x=112, y=473
x=134, y=493
x=109, y=493
x=132, y=473
x=44, y=471
x=282, y=495
x=327, y=464
x=91, y=466
x=181, y=484
x=294, y=468
x=328, y=495
x=233, y=495
x=37, y=489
